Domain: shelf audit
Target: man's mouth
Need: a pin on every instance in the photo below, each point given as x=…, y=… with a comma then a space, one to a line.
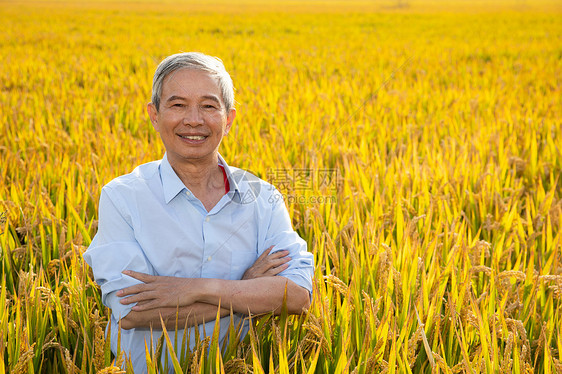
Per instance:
x=193, y=137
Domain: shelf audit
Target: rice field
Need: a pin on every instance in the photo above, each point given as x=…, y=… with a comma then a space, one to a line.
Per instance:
x=418, y=145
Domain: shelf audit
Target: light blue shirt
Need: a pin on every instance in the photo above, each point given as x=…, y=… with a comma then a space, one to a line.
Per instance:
x=151, y=223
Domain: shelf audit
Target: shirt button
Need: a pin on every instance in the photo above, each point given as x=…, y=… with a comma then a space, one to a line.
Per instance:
x=209, y=258
x=207, y=219
x=188, y=193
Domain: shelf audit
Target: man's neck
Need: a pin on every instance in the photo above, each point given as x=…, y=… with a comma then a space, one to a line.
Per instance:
x=201, y=176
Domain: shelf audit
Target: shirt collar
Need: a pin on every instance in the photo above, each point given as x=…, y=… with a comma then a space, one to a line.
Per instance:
x=172, y=184
x=244, y=186
x=231, y=180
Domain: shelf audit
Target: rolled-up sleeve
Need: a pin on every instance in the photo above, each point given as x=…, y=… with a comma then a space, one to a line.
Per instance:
x=281, y=235
x=113, y=250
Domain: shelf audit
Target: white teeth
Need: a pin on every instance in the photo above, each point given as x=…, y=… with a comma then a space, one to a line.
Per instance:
x=193, y=137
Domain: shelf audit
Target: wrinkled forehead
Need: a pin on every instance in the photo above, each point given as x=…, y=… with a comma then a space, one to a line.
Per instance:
x=189, y=78
x=171, y=76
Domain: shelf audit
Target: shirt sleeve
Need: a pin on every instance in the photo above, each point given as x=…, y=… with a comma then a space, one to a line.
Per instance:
x=281, y=235
x=113, y=250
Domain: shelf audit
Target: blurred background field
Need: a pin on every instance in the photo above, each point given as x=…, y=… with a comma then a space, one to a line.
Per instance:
x=438, y=244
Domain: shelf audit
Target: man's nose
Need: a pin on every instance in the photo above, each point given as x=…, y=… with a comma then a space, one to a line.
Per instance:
x=192, y=116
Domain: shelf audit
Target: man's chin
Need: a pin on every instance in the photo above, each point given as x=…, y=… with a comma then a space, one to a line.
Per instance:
x=191, y=157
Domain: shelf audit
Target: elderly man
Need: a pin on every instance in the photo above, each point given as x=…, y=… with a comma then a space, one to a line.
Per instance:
x=180, y=236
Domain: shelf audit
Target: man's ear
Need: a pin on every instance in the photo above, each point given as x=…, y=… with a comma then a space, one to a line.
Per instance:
x=229, y=120
x=153, y=114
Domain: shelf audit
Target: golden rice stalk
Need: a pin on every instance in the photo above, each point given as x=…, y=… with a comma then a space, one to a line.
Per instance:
x=111, y=370
x=119, y=361
x=557, y=365
x=413, y=346
x=481, y=247
x=159, y=347
x=237, y=366
x=506, y=362
x=371, y=308
x=385, y=263
x=378, y=346
x=314, y=335
x=398, y=287
x=199, y=351
x=441, y=363
x=472, y=319
x=481, y=269
x=426, y=345
x=371, y=363
x=519, y=275
x=417, y=288
x=332, y=251
x=556, y=289
x=25, y=357
x=541, y=342
x=337, y=284
x=99, y=344
x=277, y=334
x=381, y=367
x=69, y=365
x=50, y=344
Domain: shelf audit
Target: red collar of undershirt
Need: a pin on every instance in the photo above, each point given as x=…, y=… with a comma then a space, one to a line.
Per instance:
x=226, y=184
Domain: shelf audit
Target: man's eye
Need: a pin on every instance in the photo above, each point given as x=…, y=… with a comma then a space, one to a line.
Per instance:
x=209, y=106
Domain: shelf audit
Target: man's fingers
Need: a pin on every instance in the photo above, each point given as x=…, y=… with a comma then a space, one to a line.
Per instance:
x=142, y=297
x=132, y=290
x=127, y=300
x=268, y=256
x=278, y=254
x=269, y=263
x=272, y=262
x=145, y=278
x=140, y=276
x=135, y=290
x=145, y=306
x=278, y=269
x=132, y=299
x=264, y=254
x=279, y=262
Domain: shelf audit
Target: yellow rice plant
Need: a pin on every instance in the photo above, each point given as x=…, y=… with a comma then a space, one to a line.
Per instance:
x=418, y=145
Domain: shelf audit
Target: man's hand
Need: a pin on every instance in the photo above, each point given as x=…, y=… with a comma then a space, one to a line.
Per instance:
x=268, y=265
x=163, y=292
x=192, y=315
x=159, y=291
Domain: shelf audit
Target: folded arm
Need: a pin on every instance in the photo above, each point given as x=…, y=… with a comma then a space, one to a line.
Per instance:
x=188, y=316
x=196, y=299
x=255, y=296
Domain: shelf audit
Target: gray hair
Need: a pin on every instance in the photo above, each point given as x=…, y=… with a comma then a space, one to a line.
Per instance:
x=193, y=60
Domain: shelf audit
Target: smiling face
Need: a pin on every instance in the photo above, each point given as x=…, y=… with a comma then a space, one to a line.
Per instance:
x=192, y=118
